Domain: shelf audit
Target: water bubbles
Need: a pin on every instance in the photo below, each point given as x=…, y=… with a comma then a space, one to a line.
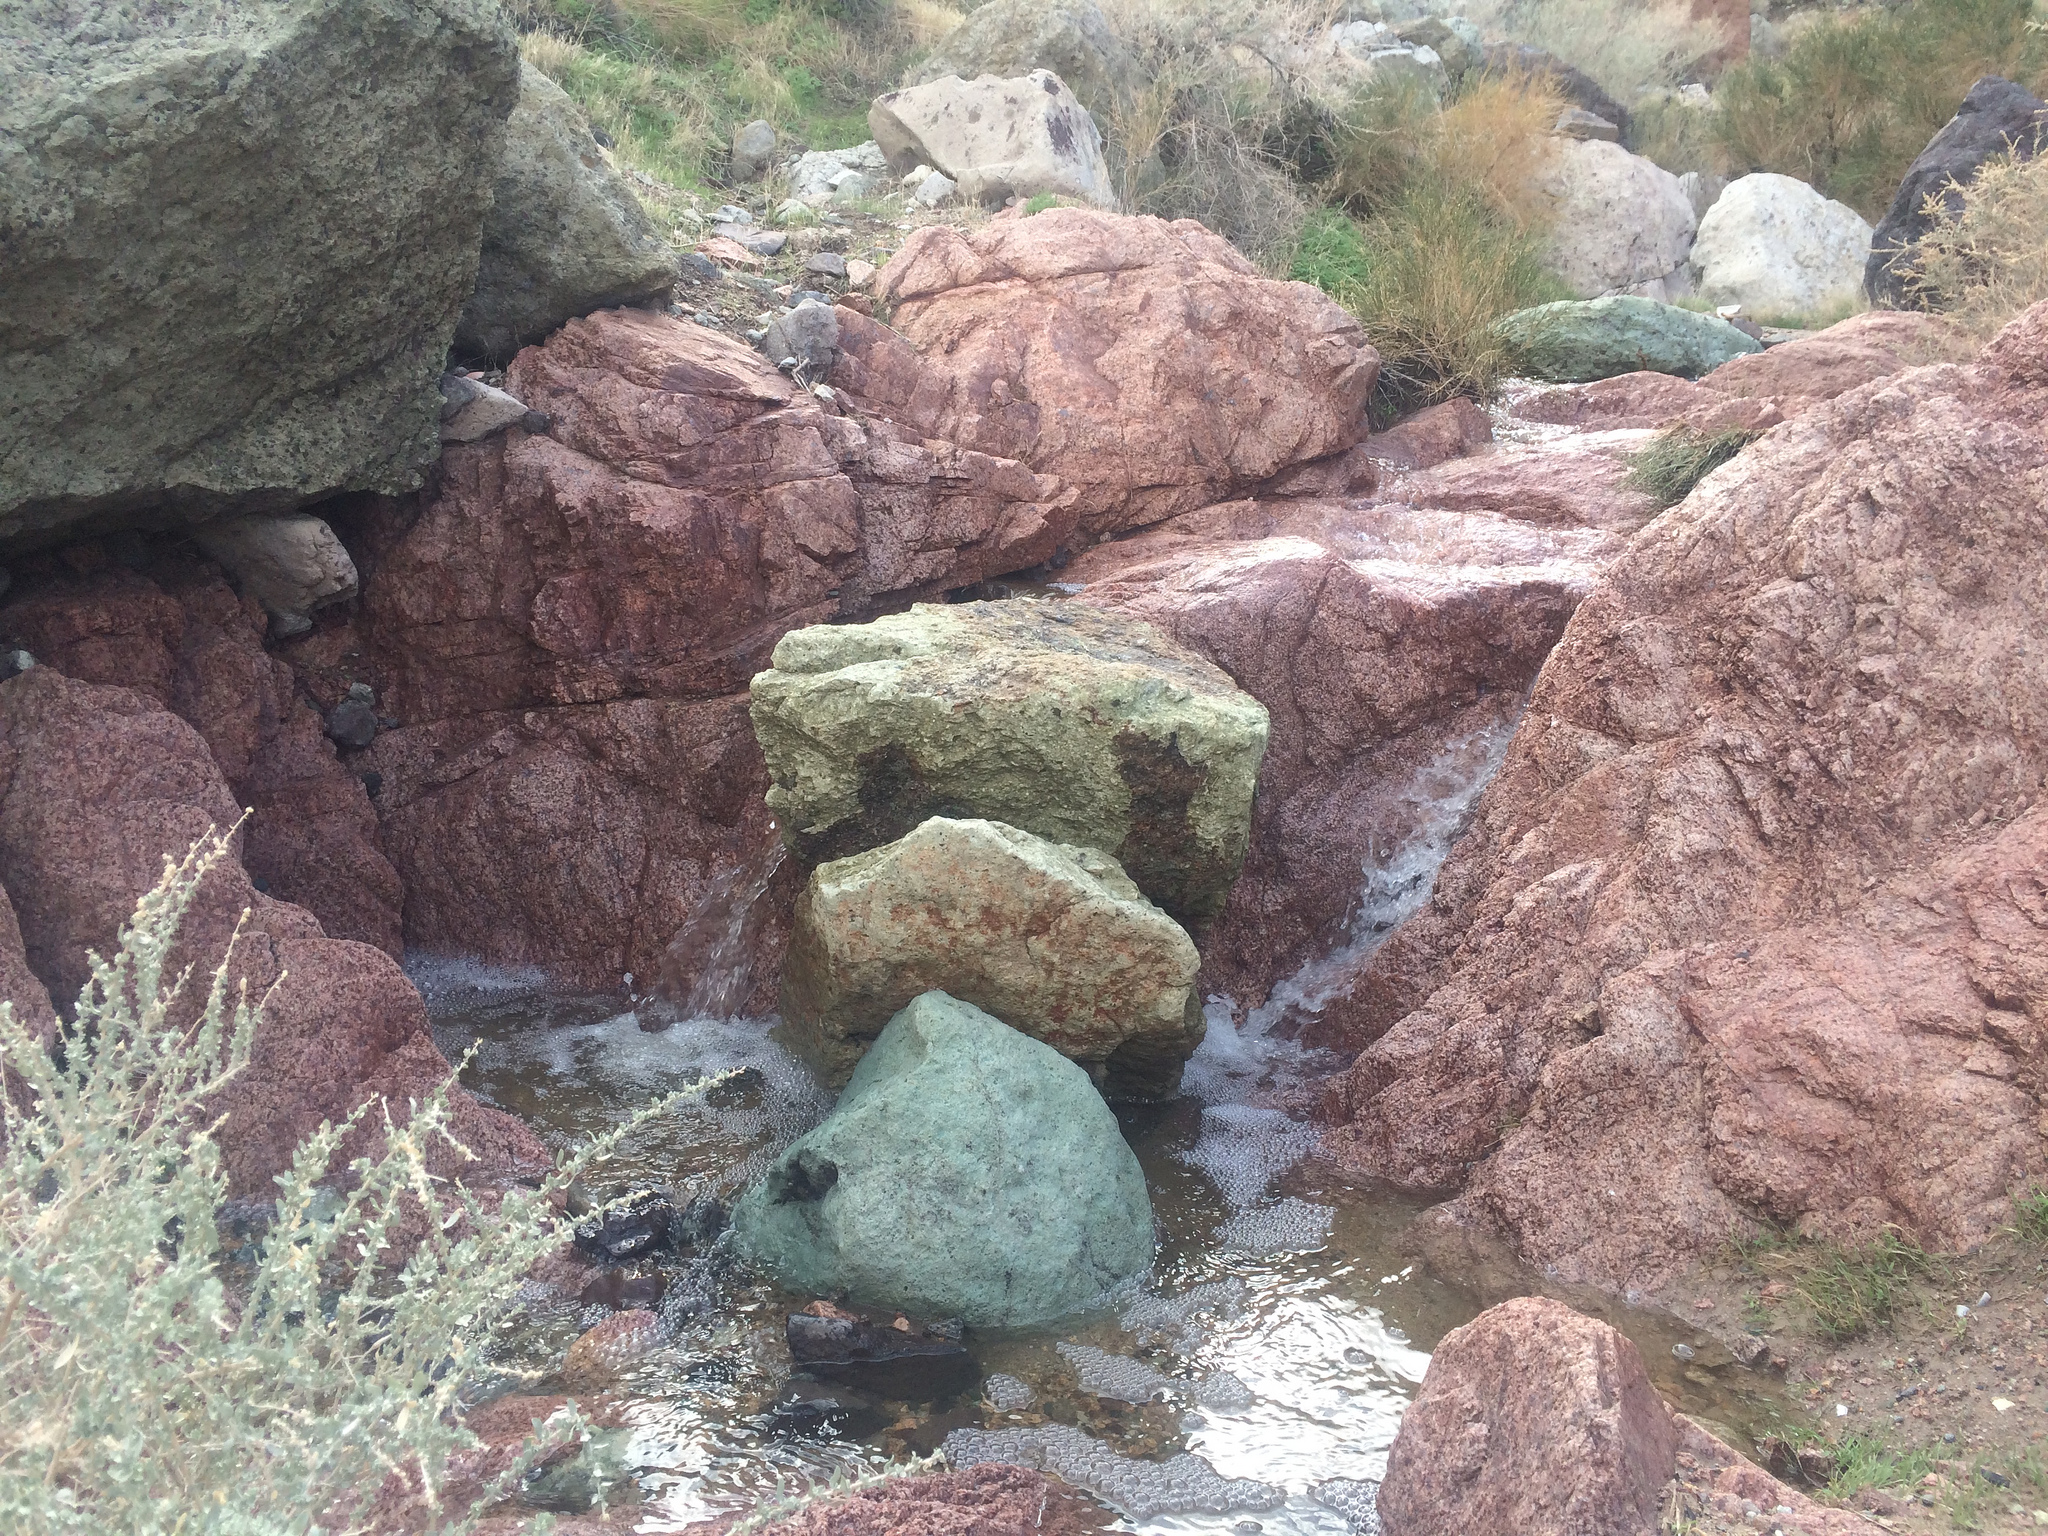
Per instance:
x=1140, y=1489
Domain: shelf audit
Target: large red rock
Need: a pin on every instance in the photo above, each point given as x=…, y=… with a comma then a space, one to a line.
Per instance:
x=1759, y=389
x=566, y=627
x=1391, y=647
x=1578, y=481
x=180, y=634
x=1753, y=921
x=1147, y=364
x=1536, y=1421
x=100, y=784
x=1532, y=1421
x=1845, y=356
x=1648, y=399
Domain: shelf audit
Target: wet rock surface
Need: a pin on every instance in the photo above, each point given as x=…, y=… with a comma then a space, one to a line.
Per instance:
x=891, y=1358
x=967, y=1171
x=1390, y=645
x=1076, y=725
x=1052, y=939
x=1750, y=880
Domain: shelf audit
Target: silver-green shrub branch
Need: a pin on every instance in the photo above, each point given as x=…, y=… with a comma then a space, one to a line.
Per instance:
x=139, y=1392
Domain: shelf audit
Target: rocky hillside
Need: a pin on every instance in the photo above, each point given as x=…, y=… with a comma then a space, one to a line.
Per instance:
x=1477, y=612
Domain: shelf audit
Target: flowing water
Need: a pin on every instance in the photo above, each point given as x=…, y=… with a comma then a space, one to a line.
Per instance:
x=1252, y=1381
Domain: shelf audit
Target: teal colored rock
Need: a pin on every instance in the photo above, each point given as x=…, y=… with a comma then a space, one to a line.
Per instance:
x=969, y=1171
x=1579, y=340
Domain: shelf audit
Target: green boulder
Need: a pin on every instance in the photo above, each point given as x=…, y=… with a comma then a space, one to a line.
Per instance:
x=1579, y=340
x=1083, y=727
x=968, y=1171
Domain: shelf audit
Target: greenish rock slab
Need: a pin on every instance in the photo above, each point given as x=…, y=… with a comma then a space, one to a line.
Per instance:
x=1579, y=340
x=1052, y=939
x=565, y=236
x=1081, y=726
x=234, y=239
x=968, y=1171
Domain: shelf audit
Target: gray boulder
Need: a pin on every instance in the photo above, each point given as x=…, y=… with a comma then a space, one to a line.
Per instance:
x=996, y=138
x=968, y=1171
x=472, y=410
x=1007, y=38
x=1997, y=117
x=565, y=236
x=808, y=333
x=1577, y=341
x=234, y=241
x=753, y=149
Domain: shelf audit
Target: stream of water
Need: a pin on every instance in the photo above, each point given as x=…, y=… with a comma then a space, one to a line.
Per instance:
x=1251, y=1382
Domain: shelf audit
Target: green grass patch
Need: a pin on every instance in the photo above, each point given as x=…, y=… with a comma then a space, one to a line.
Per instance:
x=1853, y=1290
x=2030, y=1215
x=1330, y=254
x=1676, y=461
x=1040, y=203
x=1863, y=1462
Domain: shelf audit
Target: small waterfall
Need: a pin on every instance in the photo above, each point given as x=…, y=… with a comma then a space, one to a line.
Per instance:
x=708, y=969
x=1402, y=869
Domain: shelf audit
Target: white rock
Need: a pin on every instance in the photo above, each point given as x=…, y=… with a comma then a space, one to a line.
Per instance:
x=812, y=175
x=935, y=189
x=1621, y=223
x=1777, y=247
x=472, y=410
x=291, y=564
x=996, y=138
x=917, y=176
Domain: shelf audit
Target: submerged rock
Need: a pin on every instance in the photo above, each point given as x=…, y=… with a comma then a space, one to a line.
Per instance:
x=1575, y=341
x=968, y=1171
x=280, y=337
x=599, y=1357
x=898, y=1360
x=1080, y=726
x=1052, y=939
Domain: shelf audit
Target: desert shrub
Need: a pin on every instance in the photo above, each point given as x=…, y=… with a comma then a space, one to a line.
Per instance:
x=1675, y=134
x=1986, y=259
x=1213, y=122
x=1427, y=277
x=1676, y=461
x=1854, y=99
x=139, y=1390
x=1624, y=45
x=1448, y=235
x=2030, y=1215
